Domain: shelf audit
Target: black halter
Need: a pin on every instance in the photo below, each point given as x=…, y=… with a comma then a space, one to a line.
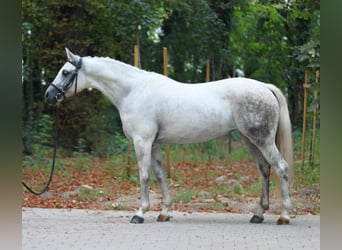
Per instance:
x=73, y=78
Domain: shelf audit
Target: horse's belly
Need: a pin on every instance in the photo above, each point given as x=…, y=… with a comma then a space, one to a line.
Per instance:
x=183, y=131
x=190, y=137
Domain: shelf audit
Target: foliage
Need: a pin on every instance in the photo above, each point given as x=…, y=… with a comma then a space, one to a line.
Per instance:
x=309, y=53
x=104, y=27
x=194, y=31
x=258, y=42
x=276, y=42
x=45, y=126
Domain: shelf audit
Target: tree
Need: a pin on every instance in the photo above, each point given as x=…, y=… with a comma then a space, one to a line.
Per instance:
x=194, y=32
x=276, y=42
x=303, y=31
x=101, y=28
x=258, y=42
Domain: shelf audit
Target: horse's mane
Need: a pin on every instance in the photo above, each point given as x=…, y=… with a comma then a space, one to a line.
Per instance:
x=117, y=62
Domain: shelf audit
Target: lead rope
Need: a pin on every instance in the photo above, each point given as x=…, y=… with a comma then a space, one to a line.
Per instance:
x=53, y=160
x=78, y=66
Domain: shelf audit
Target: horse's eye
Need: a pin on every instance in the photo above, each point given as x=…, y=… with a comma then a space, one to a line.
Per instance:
x=65, y=72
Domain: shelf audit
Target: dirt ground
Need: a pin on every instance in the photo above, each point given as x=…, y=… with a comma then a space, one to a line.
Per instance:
x=195, y=187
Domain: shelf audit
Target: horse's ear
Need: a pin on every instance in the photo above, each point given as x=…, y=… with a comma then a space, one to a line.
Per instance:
x=71, y=57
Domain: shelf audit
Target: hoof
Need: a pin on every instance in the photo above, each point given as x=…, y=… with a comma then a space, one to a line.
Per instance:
x=137, y=220
x=283, y=221
x=163, y=218
x=256, y=219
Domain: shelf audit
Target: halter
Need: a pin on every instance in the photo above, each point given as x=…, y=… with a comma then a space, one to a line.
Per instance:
x=61, y=91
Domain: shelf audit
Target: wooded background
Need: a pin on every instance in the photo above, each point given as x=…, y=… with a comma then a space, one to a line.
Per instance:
x=269, y=40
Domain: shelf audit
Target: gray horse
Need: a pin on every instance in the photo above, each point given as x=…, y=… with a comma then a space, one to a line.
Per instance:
x=155, y=109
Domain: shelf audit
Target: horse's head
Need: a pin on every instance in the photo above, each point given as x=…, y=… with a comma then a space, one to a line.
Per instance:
x=66, y=81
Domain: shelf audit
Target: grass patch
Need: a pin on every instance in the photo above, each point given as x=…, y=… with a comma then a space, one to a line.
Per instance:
x=90, y=194
x=214, y=150
x=82, y=161
x=134, y=179
x=305, y=175
x=184, y=196
x=119, y=207
x=237, y=189
x=219, y=190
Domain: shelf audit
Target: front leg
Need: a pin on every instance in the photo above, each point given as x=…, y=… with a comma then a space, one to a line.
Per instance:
x=143, y=151
x=159, y=173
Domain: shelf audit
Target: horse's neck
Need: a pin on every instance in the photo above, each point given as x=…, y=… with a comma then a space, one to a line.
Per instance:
x=114, y=79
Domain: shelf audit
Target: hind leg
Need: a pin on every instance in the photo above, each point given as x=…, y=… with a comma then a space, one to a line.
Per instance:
x=273, y=156
x=264, y=170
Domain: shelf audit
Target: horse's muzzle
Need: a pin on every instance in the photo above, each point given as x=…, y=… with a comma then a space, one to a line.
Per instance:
x=53, y=96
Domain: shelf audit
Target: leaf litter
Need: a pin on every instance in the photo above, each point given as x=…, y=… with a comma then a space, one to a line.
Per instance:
x=194, y=187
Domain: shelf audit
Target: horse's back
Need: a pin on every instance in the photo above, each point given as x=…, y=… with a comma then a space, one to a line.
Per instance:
x=187, y=113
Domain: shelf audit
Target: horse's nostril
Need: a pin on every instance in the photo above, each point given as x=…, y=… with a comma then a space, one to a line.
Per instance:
x=59, y=97
x=46, y=95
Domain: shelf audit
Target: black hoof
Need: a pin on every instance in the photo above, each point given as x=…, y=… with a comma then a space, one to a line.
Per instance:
x=256, y=219
x=137, y=220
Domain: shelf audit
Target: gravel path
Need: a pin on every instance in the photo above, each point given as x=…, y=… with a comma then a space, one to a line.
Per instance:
x=88, y=229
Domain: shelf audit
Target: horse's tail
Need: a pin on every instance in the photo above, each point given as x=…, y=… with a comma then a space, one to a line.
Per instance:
x=284, y=132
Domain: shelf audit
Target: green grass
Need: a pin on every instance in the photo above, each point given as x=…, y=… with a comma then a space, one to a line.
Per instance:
x=214, y=190
x=214, y=150
x=184, y=196
x=90, y=194
x=237, y=189
x=305, y=175
x=134, y=179
x=118, y=207
x=254, y=189
x=306, y=172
